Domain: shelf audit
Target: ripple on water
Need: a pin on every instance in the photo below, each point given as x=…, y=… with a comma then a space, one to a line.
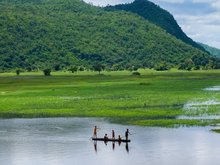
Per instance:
x=203, y=117
x=214, y=88
x=196, y=105
x=72, y=145
x=203, y=105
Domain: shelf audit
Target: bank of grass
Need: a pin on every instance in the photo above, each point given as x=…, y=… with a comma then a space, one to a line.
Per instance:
x=215, y=130
x=175, y=122
x=152, y=99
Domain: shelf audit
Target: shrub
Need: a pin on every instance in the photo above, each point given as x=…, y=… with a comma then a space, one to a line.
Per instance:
x=163, y=66
x=136, y=73
x=98, y=67
x=73, y=69
x=197, y=67
x=47, y=72
x=81, y=68
x=144, y=83
x=18, y=71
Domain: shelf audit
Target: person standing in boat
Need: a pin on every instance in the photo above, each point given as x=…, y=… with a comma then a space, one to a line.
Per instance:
x=113, y=135
x=126, y=134
x=95, y=132
x=106, y=139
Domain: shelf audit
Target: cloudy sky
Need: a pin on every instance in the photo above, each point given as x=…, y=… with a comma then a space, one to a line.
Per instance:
x=199, y=19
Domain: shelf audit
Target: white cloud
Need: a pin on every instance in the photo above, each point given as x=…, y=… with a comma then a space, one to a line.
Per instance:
x=216, y=5
x=172, y=1
x=107, y=2
x=203, y=28
x=203, y=1
x=199, y=19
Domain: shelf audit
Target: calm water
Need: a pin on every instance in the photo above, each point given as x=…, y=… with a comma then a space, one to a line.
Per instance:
x=66, y=141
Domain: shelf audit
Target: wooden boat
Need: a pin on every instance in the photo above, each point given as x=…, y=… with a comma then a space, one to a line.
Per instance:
x=112, y=140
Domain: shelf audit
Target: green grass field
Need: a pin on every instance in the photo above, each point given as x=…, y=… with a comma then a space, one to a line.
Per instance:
x=152, y=99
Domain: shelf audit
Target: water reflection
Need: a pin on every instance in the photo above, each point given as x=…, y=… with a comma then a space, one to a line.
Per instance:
x=95, y=146
x=127, y=147
x=95, y=143
x=65, y=141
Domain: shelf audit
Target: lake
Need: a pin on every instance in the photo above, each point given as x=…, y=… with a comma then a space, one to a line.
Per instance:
x=67, y=141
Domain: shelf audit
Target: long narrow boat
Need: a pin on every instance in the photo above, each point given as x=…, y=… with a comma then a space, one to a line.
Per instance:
x=112, y=140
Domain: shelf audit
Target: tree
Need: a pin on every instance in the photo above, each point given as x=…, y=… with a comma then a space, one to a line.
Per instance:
x=18, y=71
x=133, y=68
x=186, y=65
x=47, y=72
x=136, y=73
x=57, y=67
x=73, y=69
x=197, y=67
x=98, y=67
x=162, y=67
x=81, y=68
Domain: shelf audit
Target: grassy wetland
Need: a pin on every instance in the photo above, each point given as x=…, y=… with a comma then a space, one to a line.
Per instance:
x=166, y=99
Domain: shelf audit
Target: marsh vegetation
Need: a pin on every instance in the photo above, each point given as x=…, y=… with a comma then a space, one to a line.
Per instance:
x=150, y=99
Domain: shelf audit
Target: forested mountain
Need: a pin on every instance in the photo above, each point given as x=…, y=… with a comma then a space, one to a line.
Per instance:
x=211, y=50
x=38, y=34
x=158, y=16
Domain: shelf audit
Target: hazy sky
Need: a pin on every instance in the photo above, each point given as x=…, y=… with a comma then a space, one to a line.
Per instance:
x=199, y=19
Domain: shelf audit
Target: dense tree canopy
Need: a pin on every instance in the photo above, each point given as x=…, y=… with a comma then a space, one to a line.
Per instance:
x=36, y=34
x=158, y=16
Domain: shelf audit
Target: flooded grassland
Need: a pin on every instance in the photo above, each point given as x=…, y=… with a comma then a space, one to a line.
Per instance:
x=165, y=99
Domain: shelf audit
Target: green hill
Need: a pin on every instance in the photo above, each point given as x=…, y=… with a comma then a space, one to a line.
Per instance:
x=158, y=16
x=38, y=34
x=211, y=50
